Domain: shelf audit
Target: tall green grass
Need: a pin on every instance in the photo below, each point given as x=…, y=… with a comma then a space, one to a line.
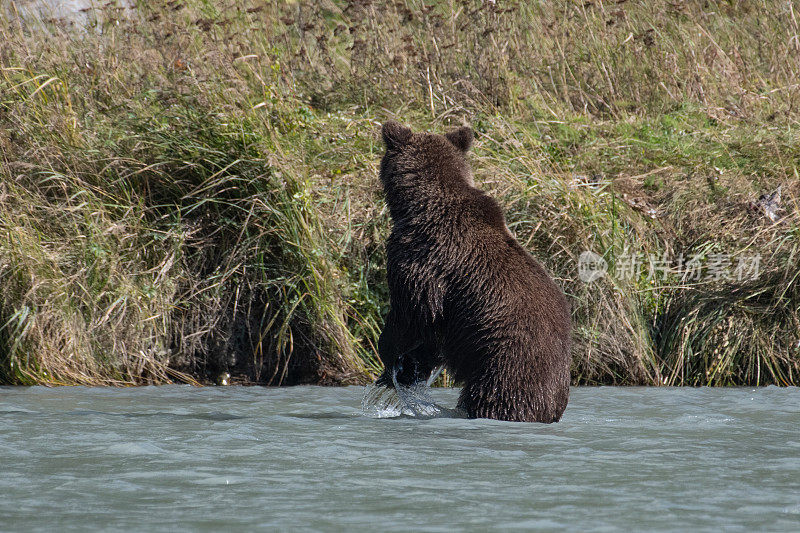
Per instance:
x=190, y=189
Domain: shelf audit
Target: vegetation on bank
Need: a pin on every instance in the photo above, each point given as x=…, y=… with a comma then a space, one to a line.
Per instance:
x=190, y=189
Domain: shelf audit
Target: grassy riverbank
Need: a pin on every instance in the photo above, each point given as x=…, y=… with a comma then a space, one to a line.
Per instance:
x=191, y=189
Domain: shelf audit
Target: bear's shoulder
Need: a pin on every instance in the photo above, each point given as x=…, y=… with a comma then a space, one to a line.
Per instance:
x=485, y=209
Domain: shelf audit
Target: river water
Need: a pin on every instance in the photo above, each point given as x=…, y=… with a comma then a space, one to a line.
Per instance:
x=250, y=458
x=65, y=13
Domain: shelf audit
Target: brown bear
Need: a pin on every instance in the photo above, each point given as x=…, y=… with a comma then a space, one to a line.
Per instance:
x=463, y=293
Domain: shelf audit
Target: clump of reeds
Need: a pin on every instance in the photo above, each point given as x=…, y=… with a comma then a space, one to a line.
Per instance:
x=151, y=232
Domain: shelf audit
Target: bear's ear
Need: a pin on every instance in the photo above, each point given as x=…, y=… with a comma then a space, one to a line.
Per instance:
x=395, y=134
x=461, y=138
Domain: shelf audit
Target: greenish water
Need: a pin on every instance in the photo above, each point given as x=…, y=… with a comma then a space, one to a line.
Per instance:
x=181, y=458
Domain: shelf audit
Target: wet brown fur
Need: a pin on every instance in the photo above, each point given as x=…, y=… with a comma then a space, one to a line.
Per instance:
x=464, y=293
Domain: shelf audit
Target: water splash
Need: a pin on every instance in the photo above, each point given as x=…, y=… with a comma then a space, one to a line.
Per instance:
x=414, y=400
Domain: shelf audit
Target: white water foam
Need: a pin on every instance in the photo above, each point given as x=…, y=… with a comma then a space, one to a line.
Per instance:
x=414, y=400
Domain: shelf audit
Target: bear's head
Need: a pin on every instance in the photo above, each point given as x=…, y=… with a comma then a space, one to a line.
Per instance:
x=424, y=161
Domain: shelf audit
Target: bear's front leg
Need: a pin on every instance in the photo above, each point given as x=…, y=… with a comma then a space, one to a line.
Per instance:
x=405, y=355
